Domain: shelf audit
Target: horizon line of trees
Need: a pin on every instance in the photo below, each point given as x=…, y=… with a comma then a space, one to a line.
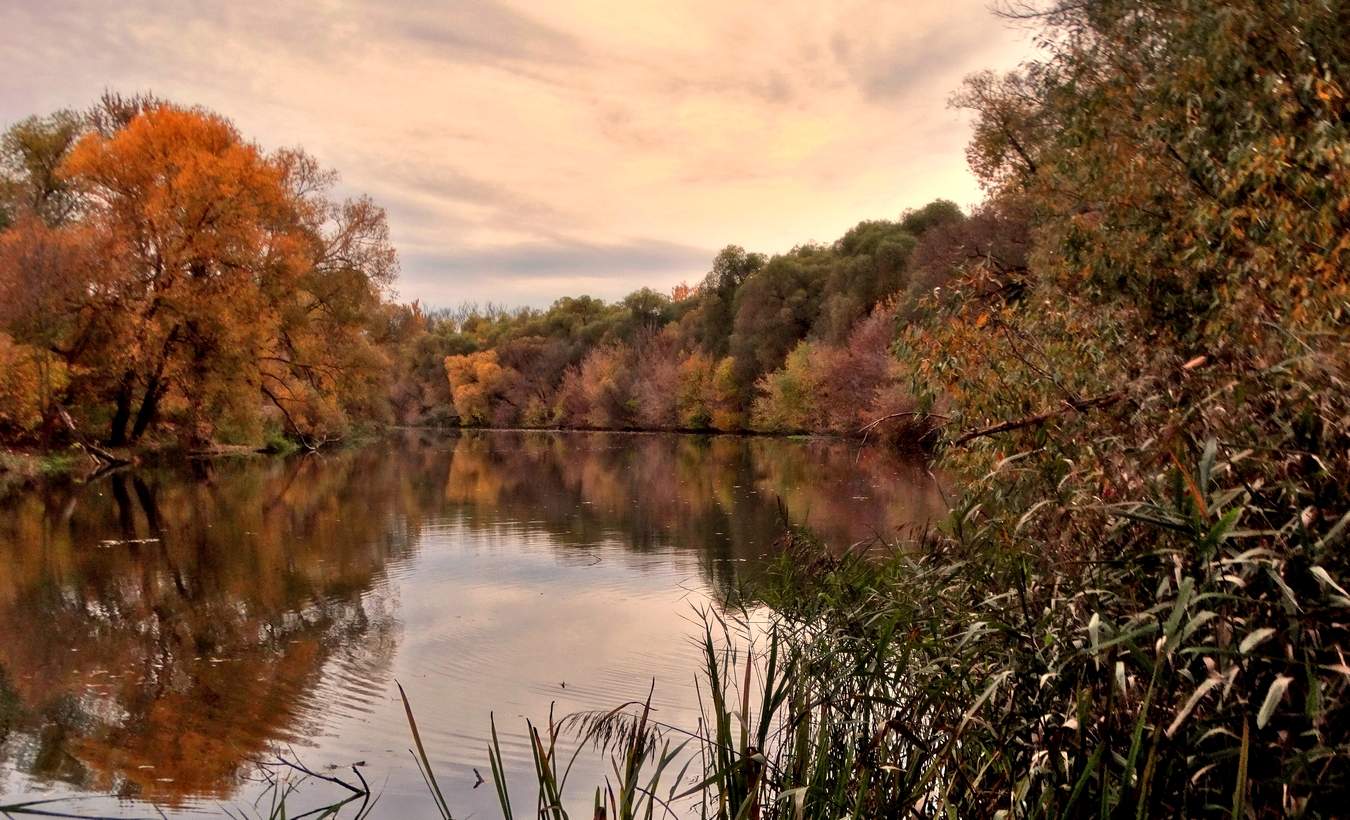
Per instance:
x=796, y=342
x=162, y=278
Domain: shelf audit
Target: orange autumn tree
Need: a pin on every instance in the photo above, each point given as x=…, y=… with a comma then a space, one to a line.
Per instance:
x=328, y=364
x=198, y=228
x=45, y=276
x=200, y=279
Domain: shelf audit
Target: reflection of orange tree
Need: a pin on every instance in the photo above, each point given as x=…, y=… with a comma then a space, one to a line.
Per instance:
x=162, y=668
x=714, y=496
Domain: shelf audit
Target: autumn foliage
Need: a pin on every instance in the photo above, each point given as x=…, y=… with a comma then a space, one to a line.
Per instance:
x=193, y=280
x=1139, y=351
x=1134, y=362
x=797, y=342
x=165, y=278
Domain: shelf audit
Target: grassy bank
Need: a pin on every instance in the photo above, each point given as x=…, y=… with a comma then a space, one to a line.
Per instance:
x=22, y=467
x=19, y=468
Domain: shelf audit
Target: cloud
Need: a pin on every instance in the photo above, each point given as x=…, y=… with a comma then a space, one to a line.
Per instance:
x=525, y=150
x=570, y=259
x=889, y=70
x=452, y=185
x=478, y=30
x=529, y=272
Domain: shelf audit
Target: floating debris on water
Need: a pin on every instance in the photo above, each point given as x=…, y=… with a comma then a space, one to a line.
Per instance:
x=123, y=542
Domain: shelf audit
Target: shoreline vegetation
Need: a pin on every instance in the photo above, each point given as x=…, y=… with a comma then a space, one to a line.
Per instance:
x=22, y=467
x=1135, y=353
x=162, y=279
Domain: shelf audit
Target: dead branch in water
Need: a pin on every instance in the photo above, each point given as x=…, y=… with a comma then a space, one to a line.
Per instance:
x=104, y=458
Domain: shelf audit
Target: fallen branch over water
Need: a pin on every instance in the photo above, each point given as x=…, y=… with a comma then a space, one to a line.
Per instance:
x=917, y=414
x=100, y=455
x=1069, y=405
x=1038, y=419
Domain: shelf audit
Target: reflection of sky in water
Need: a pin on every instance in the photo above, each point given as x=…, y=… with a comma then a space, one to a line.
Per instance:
x=513, y=629
x=487, y=573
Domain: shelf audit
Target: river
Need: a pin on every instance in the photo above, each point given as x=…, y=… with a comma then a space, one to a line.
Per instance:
x=163, y=629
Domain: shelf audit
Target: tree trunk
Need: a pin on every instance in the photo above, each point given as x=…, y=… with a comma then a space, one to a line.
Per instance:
x=149, y=409
x=154, y=390
x=117, y=435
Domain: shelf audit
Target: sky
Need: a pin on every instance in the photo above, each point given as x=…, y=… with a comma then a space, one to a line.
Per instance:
x=527, y=151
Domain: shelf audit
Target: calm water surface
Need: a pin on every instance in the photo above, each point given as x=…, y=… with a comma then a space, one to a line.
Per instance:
x=163, y=629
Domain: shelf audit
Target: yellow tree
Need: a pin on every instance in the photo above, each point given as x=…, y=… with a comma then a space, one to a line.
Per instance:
x=477, y=383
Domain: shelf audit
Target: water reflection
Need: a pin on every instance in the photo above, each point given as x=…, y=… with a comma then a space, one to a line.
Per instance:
x=161, y=629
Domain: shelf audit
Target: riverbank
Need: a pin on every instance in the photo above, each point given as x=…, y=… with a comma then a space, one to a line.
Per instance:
x=24, y=467
x=20, y=466
x=916, y=439
x=631, y=431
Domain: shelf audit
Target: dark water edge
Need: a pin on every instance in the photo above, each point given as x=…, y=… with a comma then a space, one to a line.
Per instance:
x=164, y=626
x=25, y=467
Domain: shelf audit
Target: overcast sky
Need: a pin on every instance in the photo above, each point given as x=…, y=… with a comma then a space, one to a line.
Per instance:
x=527, y=151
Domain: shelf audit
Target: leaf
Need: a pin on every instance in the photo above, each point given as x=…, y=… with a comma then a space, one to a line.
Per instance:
x=1240, y=789
x=1207, y=462
x=1334, y=532
x=1274, y=695
x=1284, y=588
x=797, y=796
x=1174, y=619
x=1200, y=619
x=1253, y=638
x=1325, y=577
x=1223, y=528
x=1200, y=692
x=984, y=696
x=1026, y=516
x=1196, y=495
x=424, y=763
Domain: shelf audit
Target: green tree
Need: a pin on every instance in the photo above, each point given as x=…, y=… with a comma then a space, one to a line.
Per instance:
x=717, y=297
x=31, y=153
x=775, y=309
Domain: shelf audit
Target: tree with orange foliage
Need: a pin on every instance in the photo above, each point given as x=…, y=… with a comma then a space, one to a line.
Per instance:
x=45, y=276
x=20, y=392
x=196, y=223
x=477, y=382
x=174, y=266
